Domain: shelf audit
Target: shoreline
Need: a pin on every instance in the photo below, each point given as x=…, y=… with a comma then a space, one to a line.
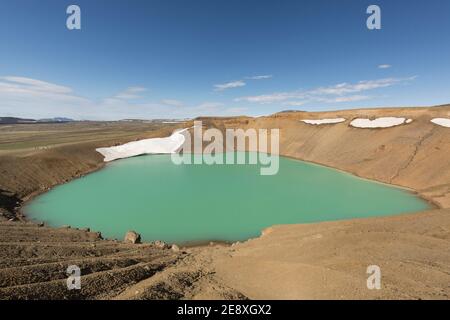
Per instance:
x=21, y=215
x=433, y=204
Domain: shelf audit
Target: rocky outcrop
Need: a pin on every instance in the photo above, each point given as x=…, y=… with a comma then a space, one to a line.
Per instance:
x=132, y=237
x=160, y=244
x=9, y=203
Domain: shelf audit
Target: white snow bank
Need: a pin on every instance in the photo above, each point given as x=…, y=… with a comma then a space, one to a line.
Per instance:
x=147, y=146
x=383, y=122
x=443, y=122
x=324, y=121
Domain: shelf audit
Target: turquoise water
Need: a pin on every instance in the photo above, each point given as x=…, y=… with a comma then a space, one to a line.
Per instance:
x=180, y=204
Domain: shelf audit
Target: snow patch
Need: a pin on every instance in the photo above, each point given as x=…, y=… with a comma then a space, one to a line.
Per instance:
x=147, y=146
x=383, y=122
x=324, y=121
x=443, y=122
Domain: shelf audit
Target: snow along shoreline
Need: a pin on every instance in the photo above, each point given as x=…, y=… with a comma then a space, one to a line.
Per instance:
x=324, y=121
x=166, y=145
x=383, y=122
x=443, y=122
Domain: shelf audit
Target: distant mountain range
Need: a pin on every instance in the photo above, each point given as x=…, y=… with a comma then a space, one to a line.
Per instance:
x=57, y=119
x=14, y=120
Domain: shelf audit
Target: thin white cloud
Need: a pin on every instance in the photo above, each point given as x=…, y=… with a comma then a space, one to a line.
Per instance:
x=295, y=103
x=207, y=108
x=22, y=88
x=130, y=93
x=33, y=84
x=32, y=98
x=239, y=83
x=271, y=98
x=344, y=88
x=172, y=102
x=209, y=105
x=237, y=111
x=229, y=85
x=384, y=66
x=350, y=98
x=326, y=93
x=344, y=99
x=262, y=77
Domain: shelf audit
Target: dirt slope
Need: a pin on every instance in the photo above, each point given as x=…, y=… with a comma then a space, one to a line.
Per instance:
x=34, y=260
x=330, y=260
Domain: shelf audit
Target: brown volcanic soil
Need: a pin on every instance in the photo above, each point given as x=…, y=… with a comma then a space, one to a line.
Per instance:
x=323, y=260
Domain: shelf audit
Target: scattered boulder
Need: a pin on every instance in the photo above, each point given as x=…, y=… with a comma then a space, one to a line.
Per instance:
x=160, y=244
x=98, y=235
x=132, y=237
x=65, y=226
x=266, y=231
x=85, y=229
x=175, y=248
x=40, y=224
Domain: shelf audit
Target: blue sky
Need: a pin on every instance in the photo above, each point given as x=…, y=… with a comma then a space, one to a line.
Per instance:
x=185, y=58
